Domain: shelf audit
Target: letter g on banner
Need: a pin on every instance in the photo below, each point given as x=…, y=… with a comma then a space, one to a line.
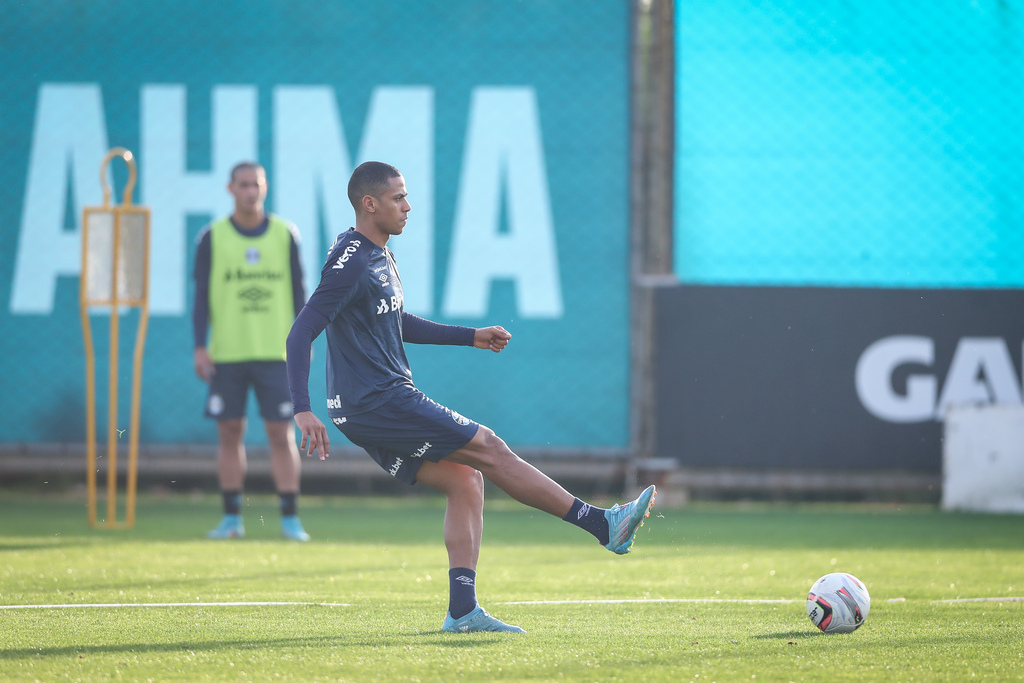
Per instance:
x=874, y=373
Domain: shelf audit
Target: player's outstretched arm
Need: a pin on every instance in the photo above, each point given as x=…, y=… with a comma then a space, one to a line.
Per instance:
x=494, y=338
x=314, y=435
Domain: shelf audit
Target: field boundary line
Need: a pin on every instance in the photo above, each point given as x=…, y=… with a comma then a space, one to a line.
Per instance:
x=741, y=601
x=1007, y=599
x=647, y=600
x=174, y=604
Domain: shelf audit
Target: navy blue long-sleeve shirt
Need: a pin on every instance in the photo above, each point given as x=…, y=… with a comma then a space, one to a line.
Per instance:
x=359, y=301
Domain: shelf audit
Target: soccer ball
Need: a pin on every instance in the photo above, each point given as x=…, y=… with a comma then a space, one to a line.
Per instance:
x=838, y=603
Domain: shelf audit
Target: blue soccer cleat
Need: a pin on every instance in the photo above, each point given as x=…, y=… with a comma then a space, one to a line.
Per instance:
x=230, y=527
x=292, y=529
x=624, y=520
x=477, y=620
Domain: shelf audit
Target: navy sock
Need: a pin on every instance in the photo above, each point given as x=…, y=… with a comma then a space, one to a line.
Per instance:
x=289, y=503
x=589, y=518
x=232, y=502
x=461, y=591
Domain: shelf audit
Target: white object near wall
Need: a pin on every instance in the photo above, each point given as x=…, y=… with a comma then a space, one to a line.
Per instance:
x=983, y=458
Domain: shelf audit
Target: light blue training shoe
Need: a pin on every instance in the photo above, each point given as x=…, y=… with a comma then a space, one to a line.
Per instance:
x=477, y=620
x=230, y=527
x=624, y=520
x=292, y=529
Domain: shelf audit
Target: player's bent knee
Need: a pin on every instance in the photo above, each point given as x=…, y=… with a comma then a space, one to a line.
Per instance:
x=490, y=443
x=472, y=489
x=453, y=479
x=469, y=481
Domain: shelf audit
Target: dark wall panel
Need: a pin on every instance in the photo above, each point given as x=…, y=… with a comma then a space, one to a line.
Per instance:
x=767, y=377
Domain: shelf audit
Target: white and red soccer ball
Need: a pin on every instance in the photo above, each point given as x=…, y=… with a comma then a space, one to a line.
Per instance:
x=838, y=603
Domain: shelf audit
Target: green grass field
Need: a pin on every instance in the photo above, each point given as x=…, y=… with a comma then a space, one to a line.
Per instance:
x=374, y=581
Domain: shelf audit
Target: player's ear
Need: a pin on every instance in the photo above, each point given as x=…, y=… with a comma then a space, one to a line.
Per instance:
x=368, y=203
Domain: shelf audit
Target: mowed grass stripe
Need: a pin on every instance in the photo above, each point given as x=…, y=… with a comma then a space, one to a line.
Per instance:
x=171, y=604
x=606, y=617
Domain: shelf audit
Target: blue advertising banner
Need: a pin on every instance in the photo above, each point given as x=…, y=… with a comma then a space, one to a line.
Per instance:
x=508, y=120
x=847, y=231
x=868, y=144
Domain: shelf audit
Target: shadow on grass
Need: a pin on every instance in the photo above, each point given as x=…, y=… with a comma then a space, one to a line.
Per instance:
x=464, y=640
x=790, y=635
x=451, y=640
x=56, y=522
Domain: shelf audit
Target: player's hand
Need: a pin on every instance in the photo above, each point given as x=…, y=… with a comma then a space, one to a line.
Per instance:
x=314, y=435
x=203, y=364
x=494, y=338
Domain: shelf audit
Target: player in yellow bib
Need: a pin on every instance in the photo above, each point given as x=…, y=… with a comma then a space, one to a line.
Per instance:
x=248, y=289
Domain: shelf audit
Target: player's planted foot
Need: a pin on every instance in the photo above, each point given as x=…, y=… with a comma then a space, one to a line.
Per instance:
x=624, y=520
x=477, y=620
x=230, y=527
x=292, y=529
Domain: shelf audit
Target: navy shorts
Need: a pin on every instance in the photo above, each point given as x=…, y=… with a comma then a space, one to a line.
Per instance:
x=407, y=430
x=230, y=385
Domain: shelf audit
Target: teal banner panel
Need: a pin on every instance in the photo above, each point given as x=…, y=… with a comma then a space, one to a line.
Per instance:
x=509, y=120
x=850, y=144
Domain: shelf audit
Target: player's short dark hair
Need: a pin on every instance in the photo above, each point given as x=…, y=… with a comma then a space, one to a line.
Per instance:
x=370, y=178
x=246, y=166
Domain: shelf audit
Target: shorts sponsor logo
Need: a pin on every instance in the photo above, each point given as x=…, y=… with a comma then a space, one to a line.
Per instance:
x=395, y=467
x=334, y=403
x=339, y=420
x=215, y=405
x=346, y=255
x=285, y=409
x=421, y=450
x=458, y=418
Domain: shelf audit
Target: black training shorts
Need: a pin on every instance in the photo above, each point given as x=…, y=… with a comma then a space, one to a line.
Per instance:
x=229, y=389
x=407, y=430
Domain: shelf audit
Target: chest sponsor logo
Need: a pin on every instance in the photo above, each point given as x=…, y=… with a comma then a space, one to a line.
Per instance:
x=386, y=305
x=334, y=403
x=254, y=294
x=255, y=299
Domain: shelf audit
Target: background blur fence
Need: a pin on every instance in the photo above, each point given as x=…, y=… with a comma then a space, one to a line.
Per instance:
x=577, y=170
x=509, y=120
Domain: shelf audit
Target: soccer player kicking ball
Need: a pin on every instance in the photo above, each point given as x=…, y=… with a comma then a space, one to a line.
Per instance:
x=372, y=400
